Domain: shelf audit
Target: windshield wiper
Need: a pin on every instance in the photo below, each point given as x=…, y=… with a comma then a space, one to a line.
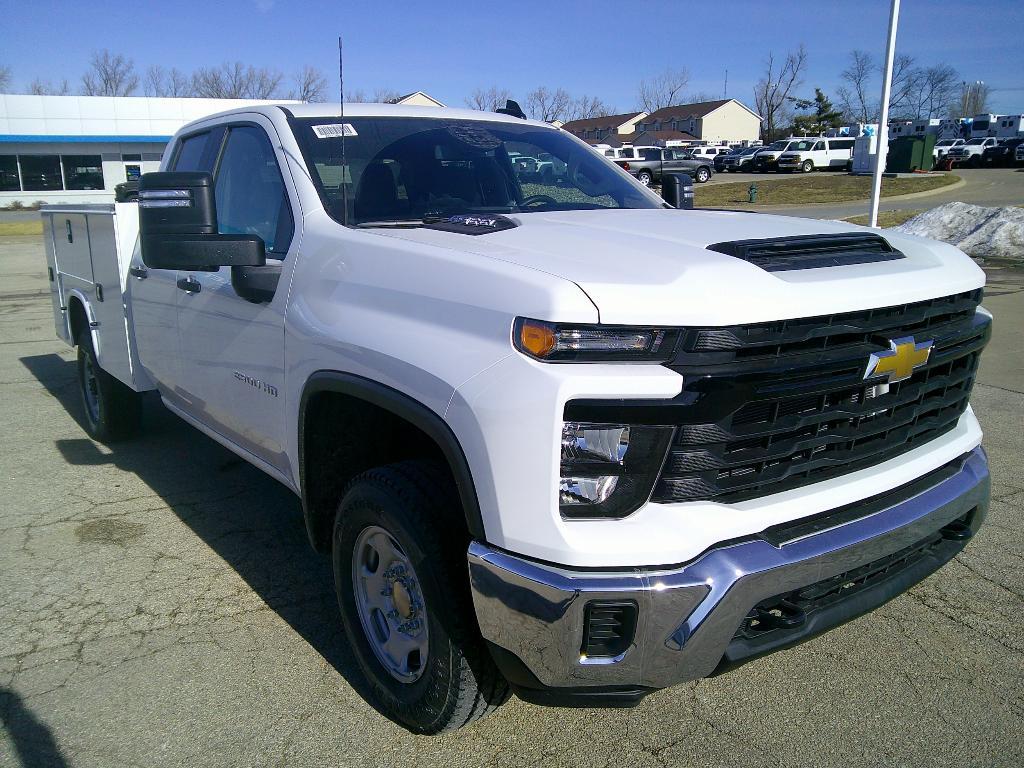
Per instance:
x=399, y=223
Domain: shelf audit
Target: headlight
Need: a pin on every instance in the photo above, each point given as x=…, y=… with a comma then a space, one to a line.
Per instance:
x=609, y=470
x=557, y=342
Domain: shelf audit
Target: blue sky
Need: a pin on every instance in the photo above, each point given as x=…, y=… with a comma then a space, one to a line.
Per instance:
x=449, y=48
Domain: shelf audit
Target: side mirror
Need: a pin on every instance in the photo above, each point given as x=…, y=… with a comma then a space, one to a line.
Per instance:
x=677, y=190
x=178, y=225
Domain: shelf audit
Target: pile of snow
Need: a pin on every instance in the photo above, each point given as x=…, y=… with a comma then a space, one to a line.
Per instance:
x=984, y=233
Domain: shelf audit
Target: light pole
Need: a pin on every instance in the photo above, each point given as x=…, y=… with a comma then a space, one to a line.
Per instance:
x=883, y=118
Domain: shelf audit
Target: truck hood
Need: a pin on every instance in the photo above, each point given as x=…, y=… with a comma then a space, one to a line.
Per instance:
x=653, y=266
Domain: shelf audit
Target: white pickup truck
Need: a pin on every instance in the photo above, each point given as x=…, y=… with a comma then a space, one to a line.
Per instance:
x=971, y=151
x=558, y=436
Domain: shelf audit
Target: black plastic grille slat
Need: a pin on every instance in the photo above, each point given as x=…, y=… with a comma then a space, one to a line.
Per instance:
x=830, y=333
x=800, y=420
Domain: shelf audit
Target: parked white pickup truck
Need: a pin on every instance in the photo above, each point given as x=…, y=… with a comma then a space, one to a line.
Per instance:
x=970, y=152
x=557, y=437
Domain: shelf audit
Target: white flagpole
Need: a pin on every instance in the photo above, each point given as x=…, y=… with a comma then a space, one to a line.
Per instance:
x=883, y=118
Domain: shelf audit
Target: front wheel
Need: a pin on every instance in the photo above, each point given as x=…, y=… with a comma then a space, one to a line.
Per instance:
x=401, y=578
x=703, y=175
x=807, y=166
x=112, y=410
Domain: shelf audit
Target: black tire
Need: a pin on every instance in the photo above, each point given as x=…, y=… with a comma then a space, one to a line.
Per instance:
x=975, y=161
x=112, y=410
x=702, y=175
x=645, y=178
x=807, y=166
x=414, y=501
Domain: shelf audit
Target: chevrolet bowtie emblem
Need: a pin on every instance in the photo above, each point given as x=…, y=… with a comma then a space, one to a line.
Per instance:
x=899, y=362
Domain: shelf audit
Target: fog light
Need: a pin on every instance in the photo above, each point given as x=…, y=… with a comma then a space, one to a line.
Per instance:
x=608, y=470
x=604, y=442
x=586, y=490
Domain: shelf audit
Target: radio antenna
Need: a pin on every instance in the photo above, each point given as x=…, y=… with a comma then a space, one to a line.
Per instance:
x=341, y=110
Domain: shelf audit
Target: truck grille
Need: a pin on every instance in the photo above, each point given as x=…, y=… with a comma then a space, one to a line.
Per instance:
x=774, y=406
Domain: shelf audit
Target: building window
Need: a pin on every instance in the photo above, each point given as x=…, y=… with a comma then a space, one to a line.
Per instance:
x=9, y=174
x=132, y=158
x=40, y=173
x=82, y=171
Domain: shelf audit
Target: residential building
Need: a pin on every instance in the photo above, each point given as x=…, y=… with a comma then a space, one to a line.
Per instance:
x=726, y=121
x=418, y=99
x=608, y=129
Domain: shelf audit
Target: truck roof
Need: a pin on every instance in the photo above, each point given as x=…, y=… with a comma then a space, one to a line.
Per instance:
x=374, y=110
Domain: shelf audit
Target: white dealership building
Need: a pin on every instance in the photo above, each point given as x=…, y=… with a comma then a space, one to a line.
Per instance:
x=75, y=149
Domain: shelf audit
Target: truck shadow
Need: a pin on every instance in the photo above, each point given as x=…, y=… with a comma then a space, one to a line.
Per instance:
x=32, y=739
x=250, y=520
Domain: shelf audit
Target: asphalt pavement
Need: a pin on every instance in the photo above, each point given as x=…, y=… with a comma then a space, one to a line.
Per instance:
x=160, y=606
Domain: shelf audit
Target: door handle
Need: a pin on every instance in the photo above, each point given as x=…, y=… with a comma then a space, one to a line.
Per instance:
x=190, y=285
x=140, y=273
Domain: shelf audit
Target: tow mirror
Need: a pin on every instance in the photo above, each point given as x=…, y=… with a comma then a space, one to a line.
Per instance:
x=677, y=190
x=178, y=225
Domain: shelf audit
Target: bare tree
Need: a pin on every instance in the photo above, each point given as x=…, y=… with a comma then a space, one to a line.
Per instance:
x=854, y=95
x=934, y=92
x=547, y=105
x=40, y=87
x=973, y=100
x=773, y=91
x=583, y=107
x=379, y=96
x=109, y=75
x=662, y=90
x=235, y=81
x=906, y=79
x=5, y=78
x=161, y=82
x=698, y=97
x=386, y=95
x=310, y=85
x=488, y=100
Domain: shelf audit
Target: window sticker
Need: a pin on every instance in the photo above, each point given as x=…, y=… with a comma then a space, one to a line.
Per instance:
x=334, y=130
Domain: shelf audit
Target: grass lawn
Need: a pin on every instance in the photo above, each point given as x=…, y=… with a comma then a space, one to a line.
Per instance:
x=21, y=227
x=886, y=219
x=813, y=188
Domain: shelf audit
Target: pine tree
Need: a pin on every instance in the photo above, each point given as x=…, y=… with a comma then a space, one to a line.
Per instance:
x=823, y=116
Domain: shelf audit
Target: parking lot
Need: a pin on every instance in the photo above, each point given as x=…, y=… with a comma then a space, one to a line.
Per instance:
x=160, y=606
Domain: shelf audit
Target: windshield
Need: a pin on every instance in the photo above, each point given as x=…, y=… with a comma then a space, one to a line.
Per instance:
x=944, y=143
x=405, y=169
x=976, y=142
x=800, y=146
x=778, y=146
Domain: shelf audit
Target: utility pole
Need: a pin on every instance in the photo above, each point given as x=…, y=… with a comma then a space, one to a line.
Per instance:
x=725, y=91
x=883, y=118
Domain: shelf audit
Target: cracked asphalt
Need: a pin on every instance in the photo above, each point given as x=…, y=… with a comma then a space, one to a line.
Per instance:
x=160, y=606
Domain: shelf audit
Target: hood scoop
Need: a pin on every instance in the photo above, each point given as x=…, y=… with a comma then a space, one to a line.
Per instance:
x=469, y=223
x=777, y=254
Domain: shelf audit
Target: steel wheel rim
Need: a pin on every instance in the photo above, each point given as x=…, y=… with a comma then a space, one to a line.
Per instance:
x=390, y=604
x=644, y=179
x=91, y=391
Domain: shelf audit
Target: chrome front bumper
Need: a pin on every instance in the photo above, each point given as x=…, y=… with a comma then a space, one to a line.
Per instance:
x=688, y=616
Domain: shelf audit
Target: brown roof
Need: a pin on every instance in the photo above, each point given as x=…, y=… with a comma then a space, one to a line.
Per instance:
x=700, y=109
x=662, y=136
x=608, y=121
